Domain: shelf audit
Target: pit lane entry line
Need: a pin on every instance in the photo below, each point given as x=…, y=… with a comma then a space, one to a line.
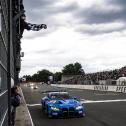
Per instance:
x=32, y=124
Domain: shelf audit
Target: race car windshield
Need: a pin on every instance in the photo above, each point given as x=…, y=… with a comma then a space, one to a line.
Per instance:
x=59, y=96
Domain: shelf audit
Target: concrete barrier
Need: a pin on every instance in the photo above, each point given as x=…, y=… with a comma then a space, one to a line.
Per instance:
x=121, y=89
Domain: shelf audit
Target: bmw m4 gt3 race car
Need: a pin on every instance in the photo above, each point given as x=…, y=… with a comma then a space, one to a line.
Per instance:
x=60, y=104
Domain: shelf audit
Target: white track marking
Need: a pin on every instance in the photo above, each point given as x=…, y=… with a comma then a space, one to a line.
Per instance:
x=4, y=118
x=106, y=94
x=103, y=101
x=31, y=105
x=82, y=99
x=87, y=101
x=27, y=109
x=75, y=90
x=3, y=93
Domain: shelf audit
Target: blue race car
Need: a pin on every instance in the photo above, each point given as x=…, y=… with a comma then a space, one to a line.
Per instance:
x=60, y=104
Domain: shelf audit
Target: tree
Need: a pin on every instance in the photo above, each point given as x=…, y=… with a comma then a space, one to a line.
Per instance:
x=73, y=69
x=28, y=77
x=68, y=69
x=78, y=68
x=40, y=76
x=57, y=76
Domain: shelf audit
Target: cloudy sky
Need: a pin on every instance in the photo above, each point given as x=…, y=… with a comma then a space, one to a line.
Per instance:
x=92, y=32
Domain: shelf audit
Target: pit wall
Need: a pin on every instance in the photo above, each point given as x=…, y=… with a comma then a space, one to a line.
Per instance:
x=121, y=89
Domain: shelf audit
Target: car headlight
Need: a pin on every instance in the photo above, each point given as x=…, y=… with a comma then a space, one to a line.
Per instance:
x=55, y=108
x=78, y=107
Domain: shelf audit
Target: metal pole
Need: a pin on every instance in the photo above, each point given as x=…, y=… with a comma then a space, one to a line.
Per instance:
x=8, y=59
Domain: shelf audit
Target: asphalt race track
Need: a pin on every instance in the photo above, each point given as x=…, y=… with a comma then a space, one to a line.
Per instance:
x=103, y=108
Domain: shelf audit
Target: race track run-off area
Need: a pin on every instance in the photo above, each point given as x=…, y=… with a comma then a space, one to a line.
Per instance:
x=102, y=108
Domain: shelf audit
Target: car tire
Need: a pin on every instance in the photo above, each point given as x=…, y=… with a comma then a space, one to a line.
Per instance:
x=49, y=116
x=47, y=113
x=83, y=115
x=43, y=107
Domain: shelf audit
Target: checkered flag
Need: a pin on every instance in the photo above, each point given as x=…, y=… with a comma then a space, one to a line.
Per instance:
x=36, y=27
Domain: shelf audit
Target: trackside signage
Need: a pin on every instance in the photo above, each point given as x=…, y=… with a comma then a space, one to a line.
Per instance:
x=121, y=89
x=101, y=87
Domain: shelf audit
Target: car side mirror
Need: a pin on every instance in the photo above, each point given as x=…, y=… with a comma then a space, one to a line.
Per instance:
x=75, y=98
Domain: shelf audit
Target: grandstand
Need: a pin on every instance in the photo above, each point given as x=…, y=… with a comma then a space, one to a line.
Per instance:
x=104, y=77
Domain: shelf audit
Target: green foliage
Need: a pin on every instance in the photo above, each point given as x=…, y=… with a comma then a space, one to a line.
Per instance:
x=43, y=75
x=57, y=76
x=73, y=69
x=28, y=77
x=40, y=76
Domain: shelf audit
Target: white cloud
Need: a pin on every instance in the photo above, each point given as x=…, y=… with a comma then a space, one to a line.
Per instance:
x=101, y=28
x=68, y=41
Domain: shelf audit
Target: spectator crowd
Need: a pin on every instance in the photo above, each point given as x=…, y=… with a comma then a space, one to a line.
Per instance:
x=95, y=77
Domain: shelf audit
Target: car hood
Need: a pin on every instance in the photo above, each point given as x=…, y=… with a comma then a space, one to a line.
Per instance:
x=64, y=103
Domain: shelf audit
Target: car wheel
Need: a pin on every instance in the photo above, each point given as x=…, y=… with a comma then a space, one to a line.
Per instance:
x=49, y=116
x=83, y=115
x=47, y=113
x=43, y=108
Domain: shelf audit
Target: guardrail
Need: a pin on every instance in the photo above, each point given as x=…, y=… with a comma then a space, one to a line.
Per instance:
x=121, y=89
